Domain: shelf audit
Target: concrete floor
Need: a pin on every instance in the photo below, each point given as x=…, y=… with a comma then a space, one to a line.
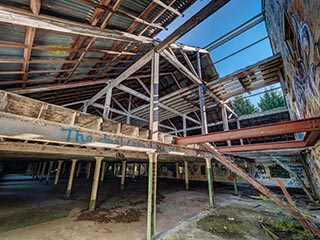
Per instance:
x=35, y=211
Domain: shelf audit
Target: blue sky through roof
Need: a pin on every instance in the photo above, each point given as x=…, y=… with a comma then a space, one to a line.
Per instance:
x=227, y=18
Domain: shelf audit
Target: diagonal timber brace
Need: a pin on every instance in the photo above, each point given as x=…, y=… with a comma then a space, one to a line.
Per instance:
x=241, y=173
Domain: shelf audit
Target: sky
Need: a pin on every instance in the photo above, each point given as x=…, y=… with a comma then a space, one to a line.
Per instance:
x=225, y=19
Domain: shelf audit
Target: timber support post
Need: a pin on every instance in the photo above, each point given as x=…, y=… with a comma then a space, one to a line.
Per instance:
x=210, y=181
x=177, y=171
x=152, y=196
x=235, y=184
x=89, y=169
x=56, y=179
x=70, y=181
x=186, y=174
x=43, y=171
x=103, y=171
x=123, y=174
x=95, y=184
x=78, y=170
x=49, y=172
x=39, y=170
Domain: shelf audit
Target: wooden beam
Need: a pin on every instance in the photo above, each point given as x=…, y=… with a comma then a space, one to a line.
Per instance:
x=122, y=13
x=171, y=9
x=204, y=13
x=147, y=99
x=124, y=75
x=35, y=6
x=23, y=18
x=29, y=38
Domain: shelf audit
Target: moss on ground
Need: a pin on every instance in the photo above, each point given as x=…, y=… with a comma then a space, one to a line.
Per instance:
x=227, y=227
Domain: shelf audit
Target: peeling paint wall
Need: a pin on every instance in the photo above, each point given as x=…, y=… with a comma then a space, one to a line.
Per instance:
x=294, y=29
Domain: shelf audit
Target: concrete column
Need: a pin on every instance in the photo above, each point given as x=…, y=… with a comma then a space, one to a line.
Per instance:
x=123, y=174
x=70, y=181
x=78, y=169
x=56, y=179
x=210, y=181
x=95, y=184
x=49, y=172
x=186, y=174
x=103, y=171
x=152, y=195
x=235, y=183
x=43, y=171
x=89, y=169
x=177, y=171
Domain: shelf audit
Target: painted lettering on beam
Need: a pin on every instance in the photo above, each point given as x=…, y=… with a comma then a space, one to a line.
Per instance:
x=76, y=136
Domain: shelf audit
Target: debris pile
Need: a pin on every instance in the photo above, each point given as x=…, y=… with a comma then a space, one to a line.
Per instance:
x=116, y=214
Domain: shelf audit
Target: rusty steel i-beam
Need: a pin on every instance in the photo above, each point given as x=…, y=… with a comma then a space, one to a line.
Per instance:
x=303, y=125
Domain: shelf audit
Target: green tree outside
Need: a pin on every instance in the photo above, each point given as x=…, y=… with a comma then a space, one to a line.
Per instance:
x=243, y=106
x=271, y=100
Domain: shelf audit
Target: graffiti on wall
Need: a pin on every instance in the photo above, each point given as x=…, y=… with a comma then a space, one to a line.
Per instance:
x=260, y=171
x=306, y=79
x=276, y=171
x=303, y=64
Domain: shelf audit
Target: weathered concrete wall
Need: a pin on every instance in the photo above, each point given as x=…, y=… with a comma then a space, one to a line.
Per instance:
x=300, y=51
x=265, y=172
x=302, y=63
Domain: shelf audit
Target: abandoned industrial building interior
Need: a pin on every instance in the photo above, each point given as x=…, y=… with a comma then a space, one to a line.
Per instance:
x=112, y=126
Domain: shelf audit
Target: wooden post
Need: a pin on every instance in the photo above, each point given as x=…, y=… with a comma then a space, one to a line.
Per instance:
x=43, y=171
x=239, y=126
x=71, y=175
x=154, y=97
x=39, y=170
x=89, y=169
x=107, y=103
x=225, y=120
x=115, y=169
x=64, y=167
x=177, y=171
x=28, y=170
x=56, y=180
x=123, y=174
x=184, y=124
x=95, y=184
x=152, y=196
x=103, y=171
x=34, y=170
x=133, y=170
x=235, y=184
x=186, y=174
x=78, y=169
x=210, y=182
x=49, y=172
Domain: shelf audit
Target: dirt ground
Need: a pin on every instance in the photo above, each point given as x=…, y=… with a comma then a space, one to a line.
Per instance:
x=32, y=210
